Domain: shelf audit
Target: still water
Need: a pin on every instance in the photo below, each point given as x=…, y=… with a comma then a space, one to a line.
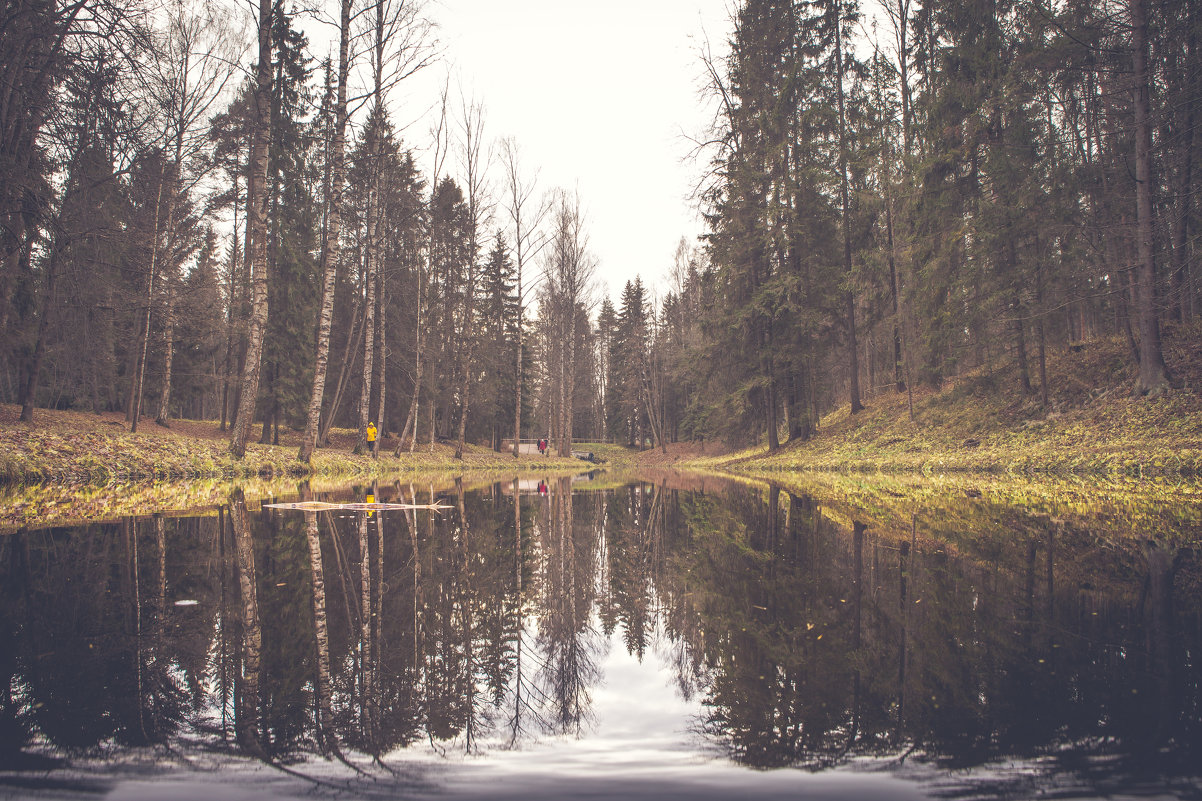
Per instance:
x=685, y=638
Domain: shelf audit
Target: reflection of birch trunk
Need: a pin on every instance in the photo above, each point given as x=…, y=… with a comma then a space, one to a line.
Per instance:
x=903, y=622
x=326, y=735
x=515, y=722
x=131, y=542
x=160, y=612
x=411, y=521
x=246, y=709
x=365, y=722
x=653, y=530
x=1029, y=609
x=469, y=667
x=160, y=537
x=773, y=517
x=1051, y=575
x=377, y=617
x=223, y=678
x=857, y=601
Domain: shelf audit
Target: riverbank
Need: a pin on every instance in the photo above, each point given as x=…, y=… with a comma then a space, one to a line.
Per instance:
x=983, y=423
x=88, y=449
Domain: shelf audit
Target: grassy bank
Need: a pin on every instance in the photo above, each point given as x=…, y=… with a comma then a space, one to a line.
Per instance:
x=87, y=449
x=983, y=422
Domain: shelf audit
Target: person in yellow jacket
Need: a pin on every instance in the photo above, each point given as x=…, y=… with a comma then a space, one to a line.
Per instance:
x=371, y=437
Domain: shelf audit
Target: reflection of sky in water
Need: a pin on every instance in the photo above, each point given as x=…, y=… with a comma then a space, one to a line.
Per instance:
x=641, y=743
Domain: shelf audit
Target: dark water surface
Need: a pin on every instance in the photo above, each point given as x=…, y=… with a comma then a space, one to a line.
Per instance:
x=689, y=639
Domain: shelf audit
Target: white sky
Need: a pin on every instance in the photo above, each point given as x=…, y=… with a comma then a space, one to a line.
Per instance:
x=600, y=97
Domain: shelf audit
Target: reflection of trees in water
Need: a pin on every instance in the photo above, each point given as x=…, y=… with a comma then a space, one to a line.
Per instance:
x=246, y=692
x=569, y=647
x=85, y=652
x=818, y=641
x=807, y=640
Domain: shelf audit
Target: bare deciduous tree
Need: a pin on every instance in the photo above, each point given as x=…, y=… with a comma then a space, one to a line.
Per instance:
x=568, y=270
x=475, y=159
x=526, y=218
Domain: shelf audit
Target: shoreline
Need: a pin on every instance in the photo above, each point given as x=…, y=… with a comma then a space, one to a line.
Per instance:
x=90, y=450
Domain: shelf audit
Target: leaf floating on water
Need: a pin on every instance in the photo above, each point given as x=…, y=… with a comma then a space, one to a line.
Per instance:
x=187, y=602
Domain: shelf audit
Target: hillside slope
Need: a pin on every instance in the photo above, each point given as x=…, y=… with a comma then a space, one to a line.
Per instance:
x=983, y=422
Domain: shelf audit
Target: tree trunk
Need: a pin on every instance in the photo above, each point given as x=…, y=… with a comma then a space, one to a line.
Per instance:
x=1153, y=375
x=135, y=404
x=257, y=200
x=333, y=242
x=22, y=238
x=1179, y=282
x=169, y=279
x=229, y=323
x=899, y=381
x=168, y=351
x=30, y=390
x=517, y=395
x=568, y=383
x=1020, y=347
x=468, y=334
x=853, y=356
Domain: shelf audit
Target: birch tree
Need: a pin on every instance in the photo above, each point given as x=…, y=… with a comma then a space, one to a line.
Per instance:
x=332, y=242
x=256, y=203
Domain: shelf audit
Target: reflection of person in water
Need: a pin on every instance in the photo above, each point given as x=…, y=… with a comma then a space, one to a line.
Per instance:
x=542, y=487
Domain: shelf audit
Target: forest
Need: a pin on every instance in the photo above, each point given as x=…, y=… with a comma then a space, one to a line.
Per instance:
x=896, y=194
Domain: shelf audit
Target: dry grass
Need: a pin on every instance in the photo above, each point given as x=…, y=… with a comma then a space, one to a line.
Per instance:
x=983, y=422
x=84, y=448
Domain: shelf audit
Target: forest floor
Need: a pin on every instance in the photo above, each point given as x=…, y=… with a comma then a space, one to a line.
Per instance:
x=86, y=448
x=983, y=422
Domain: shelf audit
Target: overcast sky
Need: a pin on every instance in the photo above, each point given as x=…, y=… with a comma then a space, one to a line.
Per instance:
x=600, y=97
